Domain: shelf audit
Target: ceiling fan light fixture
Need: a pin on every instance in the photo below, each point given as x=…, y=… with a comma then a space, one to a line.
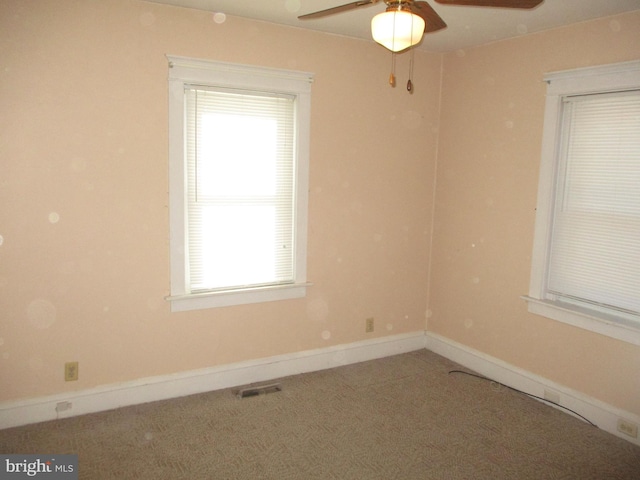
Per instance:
x=397, y=29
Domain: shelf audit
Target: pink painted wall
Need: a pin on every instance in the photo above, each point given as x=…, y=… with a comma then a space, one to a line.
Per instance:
x=488, y=160
x=84, y=257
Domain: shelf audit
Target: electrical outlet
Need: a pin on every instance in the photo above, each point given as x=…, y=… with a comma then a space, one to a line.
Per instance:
x=63, y=406
x=71, y=371
x=369, y=325
x=628, y=428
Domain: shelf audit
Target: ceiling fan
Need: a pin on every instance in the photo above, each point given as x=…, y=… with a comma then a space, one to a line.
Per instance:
x=403, y=23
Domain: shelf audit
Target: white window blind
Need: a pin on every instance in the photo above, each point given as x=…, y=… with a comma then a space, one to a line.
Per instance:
x=595, y=238
x=238, y=183
x=240, y=152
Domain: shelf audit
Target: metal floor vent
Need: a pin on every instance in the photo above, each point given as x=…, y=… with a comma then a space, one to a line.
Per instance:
x=259, y=390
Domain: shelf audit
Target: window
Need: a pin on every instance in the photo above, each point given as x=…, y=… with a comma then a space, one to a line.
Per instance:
x=586, y=259
x=239, y=141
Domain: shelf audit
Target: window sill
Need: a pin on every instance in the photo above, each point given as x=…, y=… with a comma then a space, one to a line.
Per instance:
x=200, y=301
x=608, y=325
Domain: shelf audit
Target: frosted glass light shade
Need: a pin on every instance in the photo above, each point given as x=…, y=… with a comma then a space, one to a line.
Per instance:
x=397, y=29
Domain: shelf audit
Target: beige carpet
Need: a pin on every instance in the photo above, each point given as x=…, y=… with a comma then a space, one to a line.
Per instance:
x=402, y=417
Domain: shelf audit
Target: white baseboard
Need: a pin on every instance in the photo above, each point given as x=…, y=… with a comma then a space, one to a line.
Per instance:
x=603, y=415
x=13, y=414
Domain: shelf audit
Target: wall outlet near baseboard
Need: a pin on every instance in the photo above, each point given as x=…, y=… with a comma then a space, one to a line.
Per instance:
x=369, y=325
x=63, y=406
x=71, y=371
x=628, y=428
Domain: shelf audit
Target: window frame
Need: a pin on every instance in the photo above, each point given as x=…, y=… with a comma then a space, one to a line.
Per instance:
x=582, y=81
x=184, y=71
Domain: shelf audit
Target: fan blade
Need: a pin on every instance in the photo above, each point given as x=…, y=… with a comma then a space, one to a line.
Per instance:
x=339, y=9
x=432, y=20
x=494, y=3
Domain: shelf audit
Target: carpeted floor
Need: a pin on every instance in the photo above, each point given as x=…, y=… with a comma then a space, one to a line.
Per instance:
x=403, y=417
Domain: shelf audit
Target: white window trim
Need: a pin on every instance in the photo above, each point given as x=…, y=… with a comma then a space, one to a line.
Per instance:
x=601, y=79
x=183, y=70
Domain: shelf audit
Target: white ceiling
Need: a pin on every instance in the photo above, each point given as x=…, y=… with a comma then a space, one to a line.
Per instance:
x=466, y=26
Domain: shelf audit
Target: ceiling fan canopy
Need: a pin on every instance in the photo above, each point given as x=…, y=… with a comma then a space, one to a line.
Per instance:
x=405, y=21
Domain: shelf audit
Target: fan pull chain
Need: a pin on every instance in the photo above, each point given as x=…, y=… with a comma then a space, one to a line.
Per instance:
x=409, y=83
x=392, y=76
